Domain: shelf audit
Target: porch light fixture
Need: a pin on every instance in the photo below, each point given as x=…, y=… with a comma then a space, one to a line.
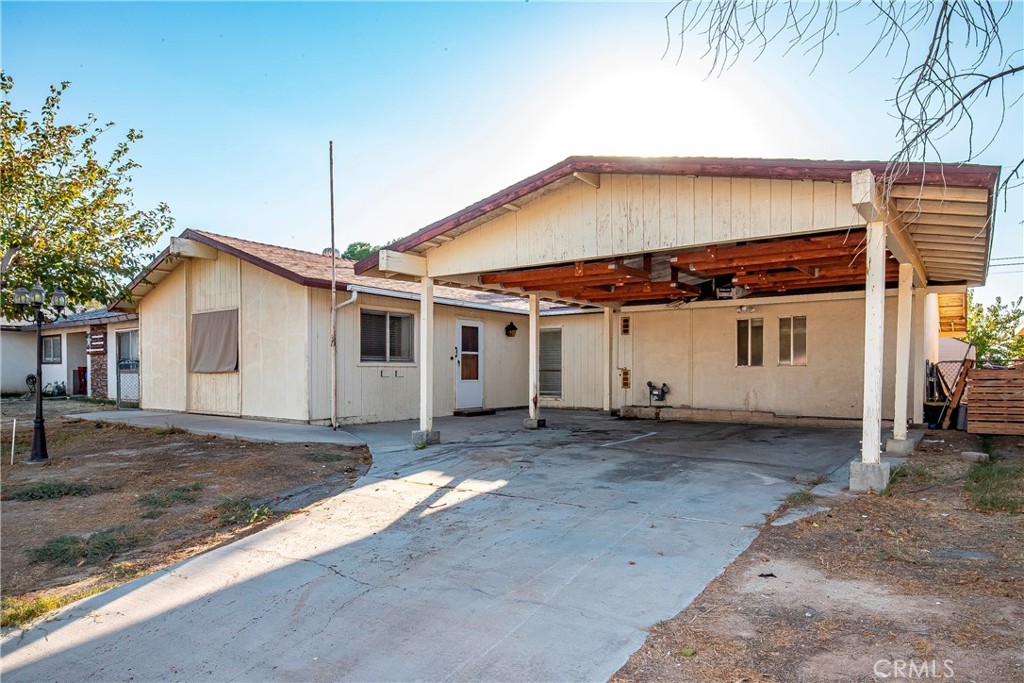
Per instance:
x=511, y=329
x=35, y=298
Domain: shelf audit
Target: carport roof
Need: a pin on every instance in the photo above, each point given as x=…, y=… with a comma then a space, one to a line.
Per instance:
x=935, y=213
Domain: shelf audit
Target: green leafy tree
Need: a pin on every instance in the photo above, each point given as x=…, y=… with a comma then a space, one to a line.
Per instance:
x=360, y=250
x=993, y=330
x=66, y=212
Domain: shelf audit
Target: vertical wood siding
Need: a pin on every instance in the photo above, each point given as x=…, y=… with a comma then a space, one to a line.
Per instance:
x=638, y=213
x=382, y=392
x=583, y=365
x=273, y=354
x=214, y=285
x=163, y=359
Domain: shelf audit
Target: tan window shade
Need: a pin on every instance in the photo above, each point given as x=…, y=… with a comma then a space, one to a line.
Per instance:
x=214, y=342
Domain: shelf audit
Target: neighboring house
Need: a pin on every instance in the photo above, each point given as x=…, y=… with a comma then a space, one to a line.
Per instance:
x=747, y=286
x=93, y=353
x=235, y=327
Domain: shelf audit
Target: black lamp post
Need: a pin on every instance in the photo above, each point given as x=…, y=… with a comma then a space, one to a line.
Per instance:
x=35, y=298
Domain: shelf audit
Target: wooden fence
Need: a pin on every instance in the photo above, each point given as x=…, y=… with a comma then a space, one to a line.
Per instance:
x=995, y=401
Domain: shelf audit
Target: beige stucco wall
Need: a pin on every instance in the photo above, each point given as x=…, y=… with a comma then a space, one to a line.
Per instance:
x=376, y=392
x=163, y=356
x=630, y=214
x=693, y=350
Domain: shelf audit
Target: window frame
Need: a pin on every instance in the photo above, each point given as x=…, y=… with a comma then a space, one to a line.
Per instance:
x=561, y=363
x=388, y=313
x=49, y=360
x=792, y=342
x=750, y=345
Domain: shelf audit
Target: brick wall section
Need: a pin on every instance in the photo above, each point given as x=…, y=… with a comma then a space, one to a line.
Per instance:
x=98, y=364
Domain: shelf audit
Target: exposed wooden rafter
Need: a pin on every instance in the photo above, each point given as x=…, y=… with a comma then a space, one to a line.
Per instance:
x=641, y=291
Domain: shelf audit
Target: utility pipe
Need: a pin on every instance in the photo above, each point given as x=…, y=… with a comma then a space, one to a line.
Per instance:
x=334, y=356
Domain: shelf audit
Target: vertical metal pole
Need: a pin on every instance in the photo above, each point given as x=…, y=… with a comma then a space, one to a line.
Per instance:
x=334, y=300
x=39, y=453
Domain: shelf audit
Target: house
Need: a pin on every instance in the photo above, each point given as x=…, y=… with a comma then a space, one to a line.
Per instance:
x=234, y=327
x=92, y=353
x=749, y=288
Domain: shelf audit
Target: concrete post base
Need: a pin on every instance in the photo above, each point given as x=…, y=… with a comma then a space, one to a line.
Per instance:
x=868, y=476
x=534, y=423
x=423, y=439
x=900, y=446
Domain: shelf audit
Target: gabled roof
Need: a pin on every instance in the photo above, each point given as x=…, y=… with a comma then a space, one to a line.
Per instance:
x=96, y=316
x=310, y=269
x=964, y=175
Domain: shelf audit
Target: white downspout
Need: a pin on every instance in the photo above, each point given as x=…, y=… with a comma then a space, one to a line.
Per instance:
x=334, y=356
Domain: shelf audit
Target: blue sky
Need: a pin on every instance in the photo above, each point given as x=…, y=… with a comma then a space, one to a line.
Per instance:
x=434, y=106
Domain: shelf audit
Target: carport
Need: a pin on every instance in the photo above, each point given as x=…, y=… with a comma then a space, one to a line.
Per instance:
x=632, y=235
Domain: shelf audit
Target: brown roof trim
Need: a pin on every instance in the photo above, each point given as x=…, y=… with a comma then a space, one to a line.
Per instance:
x=963, y=175
x=261, y=263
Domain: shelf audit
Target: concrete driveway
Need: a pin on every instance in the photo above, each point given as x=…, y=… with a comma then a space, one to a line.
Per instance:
x=501, y=555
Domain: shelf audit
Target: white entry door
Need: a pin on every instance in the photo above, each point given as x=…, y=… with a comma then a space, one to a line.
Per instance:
x=469, y=364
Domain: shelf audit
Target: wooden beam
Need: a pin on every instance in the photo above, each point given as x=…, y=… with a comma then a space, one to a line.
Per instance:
x=843, y=256
x=402, y=263
x=511, y=206
x=186, y=248
x=592, y=179
x=756, y=249
x=872, y=204
x=645, y=291
x=515, y=278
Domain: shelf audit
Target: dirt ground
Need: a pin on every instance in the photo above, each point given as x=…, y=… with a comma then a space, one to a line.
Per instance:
x=912, y=584
x=123, y=465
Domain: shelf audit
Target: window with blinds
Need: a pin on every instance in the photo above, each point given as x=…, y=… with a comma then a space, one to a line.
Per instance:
x=385, y=337
x=551, y=362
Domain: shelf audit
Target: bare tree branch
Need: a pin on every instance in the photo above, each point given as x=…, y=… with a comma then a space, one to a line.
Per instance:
x=945, y=72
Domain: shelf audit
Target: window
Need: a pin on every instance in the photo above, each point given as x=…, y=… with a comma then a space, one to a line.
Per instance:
x=624, y=325
x=750, y=342
x=793, y=340
x=214, y=342
x=51, y=349
x=385, y=337
x=551, y=362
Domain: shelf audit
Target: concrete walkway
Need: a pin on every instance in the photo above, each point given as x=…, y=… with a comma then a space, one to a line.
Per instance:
x=501, y=554
x=230, y=427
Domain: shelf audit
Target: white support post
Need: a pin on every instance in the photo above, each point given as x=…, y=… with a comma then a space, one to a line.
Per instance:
x=903, y=326
x=426, y=434
x=870, y=473
x=919, y=380
x=608, y=368
x=534, y=421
